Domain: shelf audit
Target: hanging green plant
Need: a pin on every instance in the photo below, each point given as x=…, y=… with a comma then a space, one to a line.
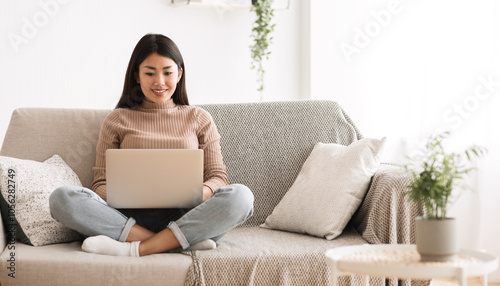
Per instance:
x=261, y=30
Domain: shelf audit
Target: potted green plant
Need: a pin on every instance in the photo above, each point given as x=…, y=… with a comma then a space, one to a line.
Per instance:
x=261, y=35
x=435, y=174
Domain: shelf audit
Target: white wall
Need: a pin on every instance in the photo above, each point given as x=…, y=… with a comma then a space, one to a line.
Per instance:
x=404, y=69
x=74, y=54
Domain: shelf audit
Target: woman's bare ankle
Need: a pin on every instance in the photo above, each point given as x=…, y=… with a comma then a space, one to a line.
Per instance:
x=163, y=241
x=139, y=233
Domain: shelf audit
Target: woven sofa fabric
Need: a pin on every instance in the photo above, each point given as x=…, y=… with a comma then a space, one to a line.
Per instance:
x=386, y=216
x=257, y=256
x=264, y=145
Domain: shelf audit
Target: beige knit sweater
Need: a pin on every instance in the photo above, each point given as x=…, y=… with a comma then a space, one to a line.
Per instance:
x=161, y=126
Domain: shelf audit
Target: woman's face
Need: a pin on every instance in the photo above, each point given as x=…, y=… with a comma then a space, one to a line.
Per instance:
x=158, y=77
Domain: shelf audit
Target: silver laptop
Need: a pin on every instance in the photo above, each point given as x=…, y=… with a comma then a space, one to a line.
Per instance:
x=154, y=178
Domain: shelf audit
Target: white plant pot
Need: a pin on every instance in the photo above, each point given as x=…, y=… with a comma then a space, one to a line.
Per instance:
x=437, y=239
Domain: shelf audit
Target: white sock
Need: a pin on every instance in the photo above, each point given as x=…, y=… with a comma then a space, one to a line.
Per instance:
x=203, y=245
x=102, y=244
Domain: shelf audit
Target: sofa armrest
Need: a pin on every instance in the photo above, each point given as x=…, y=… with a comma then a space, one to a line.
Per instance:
x=385, y=215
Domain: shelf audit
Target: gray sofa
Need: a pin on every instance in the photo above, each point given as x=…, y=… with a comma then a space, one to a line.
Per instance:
x=264, y=146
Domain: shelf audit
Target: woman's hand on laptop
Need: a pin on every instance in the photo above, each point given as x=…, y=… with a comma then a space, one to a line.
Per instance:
x=207, y=192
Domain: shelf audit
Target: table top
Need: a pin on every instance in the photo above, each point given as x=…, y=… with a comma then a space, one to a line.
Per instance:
x=403, y=260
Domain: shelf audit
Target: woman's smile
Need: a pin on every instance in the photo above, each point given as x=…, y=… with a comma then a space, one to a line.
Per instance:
x=159, y=92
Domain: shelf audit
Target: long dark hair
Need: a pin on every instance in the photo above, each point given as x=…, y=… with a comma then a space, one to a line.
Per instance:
x=132, y=94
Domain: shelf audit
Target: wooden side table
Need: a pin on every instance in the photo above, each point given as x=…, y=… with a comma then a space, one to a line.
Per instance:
x=403, y=261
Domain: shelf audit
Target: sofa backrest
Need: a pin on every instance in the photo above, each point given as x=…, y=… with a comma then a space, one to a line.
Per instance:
x=38, y=133
x=263, y=144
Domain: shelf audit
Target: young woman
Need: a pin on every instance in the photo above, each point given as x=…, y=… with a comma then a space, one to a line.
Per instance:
x=154, y=113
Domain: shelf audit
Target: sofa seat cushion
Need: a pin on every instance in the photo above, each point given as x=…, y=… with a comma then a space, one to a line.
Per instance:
x=66, y=264
x=258, y=256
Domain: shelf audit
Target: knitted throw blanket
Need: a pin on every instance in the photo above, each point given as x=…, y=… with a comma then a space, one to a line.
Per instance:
x=264, y=146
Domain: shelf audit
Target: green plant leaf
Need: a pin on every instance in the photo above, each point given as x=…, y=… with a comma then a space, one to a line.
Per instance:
x=435, y=174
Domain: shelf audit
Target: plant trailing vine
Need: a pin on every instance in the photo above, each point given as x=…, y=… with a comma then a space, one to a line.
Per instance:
x=261, y=30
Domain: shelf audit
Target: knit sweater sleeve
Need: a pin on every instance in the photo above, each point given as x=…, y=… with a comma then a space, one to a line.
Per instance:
x=215, y=175
x=108, y=139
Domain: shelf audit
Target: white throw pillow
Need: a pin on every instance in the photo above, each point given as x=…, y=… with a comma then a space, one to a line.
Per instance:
x=328, y=190
x=26, y=186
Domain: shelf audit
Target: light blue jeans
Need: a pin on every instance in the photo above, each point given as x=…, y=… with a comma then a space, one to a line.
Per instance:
x=84, y=211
